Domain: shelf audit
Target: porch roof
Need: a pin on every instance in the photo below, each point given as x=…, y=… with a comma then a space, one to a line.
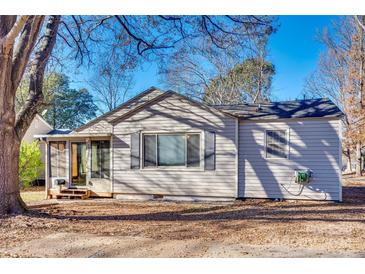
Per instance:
x=72, y=135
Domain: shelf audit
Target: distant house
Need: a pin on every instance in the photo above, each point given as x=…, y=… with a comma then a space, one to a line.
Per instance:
x=164, y=145
x=38, y=126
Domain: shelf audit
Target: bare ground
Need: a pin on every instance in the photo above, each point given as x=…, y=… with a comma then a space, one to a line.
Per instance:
x=251, y=228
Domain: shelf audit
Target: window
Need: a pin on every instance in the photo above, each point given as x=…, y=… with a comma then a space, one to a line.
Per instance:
x=57, y=153
x=100, y=159
x=193, y=150
x=171, y=150
x=276, y=144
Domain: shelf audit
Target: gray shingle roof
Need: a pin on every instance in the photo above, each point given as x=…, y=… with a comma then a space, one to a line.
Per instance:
x=311, y=108
x=59, y=131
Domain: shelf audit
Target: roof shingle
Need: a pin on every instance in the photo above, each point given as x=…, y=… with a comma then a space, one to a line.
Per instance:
x=310, y=108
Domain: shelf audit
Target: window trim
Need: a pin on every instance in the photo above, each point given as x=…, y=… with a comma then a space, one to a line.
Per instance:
x=182, y=167
x=287, y=150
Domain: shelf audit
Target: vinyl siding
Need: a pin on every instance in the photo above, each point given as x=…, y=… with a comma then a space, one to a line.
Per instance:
x=103, y=123
x=37, y=127
x=101, y=126
x=175, y=114
x=313, y=144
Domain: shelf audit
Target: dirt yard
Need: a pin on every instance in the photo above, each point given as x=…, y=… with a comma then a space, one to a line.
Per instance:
x=251, y=228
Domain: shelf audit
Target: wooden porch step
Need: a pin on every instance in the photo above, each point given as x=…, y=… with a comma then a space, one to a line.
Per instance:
x=74, y=191
x=73, y=194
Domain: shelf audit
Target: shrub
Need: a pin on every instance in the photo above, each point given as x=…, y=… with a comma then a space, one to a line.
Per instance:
x=30, y=163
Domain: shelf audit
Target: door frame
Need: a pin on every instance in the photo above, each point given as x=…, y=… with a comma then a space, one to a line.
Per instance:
x=71, y=185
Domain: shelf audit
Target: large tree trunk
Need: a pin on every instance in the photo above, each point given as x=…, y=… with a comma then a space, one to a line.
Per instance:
x=10, y=200
x=12, y=66
x=9, y=142
x=348, y=160
x=358, y=159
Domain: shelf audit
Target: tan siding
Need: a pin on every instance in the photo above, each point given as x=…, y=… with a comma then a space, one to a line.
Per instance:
x=103, y=124
x=175, y=114
x=37, y=127
x=313, y=144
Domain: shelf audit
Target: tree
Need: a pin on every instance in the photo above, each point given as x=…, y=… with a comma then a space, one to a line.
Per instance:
x=30, y=163
x=23, y=41
x=70, y=108
x=340, y=77
x=62, y=107
x=249, y=81
x=18, y=36
x=110, y=86
x=53, y=83
x=194, y=71
x=354, y=99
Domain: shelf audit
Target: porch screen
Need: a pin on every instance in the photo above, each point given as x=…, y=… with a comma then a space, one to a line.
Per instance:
x=100, y=159
x=57, y=158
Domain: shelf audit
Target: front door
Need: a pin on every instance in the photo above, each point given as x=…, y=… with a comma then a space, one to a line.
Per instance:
x=78, y=164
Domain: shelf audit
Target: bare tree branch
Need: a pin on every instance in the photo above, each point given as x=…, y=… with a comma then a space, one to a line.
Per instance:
x=9, y=38
x=35, y=97
x=361, y=24
x=25, y=45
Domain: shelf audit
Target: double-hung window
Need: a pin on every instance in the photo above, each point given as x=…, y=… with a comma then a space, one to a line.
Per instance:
x=171, y=150
x=100, y=159
x=277, y=144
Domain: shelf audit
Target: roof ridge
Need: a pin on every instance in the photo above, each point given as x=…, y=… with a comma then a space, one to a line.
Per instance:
x=274, y=102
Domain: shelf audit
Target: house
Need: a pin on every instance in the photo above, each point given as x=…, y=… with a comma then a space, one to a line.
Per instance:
x=38, y=126
x=165, y=145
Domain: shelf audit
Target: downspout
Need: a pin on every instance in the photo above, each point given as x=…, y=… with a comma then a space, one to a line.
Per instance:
x=46, y=172
x=237, y=157
x=340, y=137
x=112, y=161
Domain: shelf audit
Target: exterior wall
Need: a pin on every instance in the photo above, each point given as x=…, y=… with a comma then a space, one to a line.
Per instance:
x=175, y=114
x=313, y=144
x=37, y=127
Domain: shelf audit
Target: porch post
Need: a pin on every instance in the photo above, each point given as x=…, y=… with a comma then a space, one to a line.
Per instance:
x=46, y=173
x=88, y=160
x=68, y=163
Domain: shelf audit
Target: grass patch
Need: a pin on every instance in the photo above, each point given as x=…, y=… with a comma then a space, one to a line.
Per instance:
x=32, y=196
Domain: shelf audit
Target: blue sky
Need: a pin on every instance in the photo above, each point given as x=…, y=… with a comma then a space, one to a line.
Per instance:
x=293, y=49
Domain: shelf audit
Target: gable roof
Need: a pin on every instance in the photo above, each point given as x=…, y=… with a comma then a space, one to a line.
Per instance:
x=162, y=96
x=59, y=132
x=129, y=105
x=310, y=108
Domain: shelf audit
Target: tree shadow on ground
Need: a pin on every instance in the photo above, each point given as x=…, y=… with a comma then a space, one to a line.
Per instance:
x=351, y=210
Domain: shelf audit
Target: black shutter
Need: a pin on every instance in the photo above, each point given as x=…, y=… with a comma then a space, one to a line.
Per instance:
x=135, y=150
x=209, y=152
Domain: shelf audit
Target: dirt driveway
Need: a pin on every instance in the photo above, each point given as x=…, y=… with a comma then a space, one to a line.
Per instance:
x=251, y=228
